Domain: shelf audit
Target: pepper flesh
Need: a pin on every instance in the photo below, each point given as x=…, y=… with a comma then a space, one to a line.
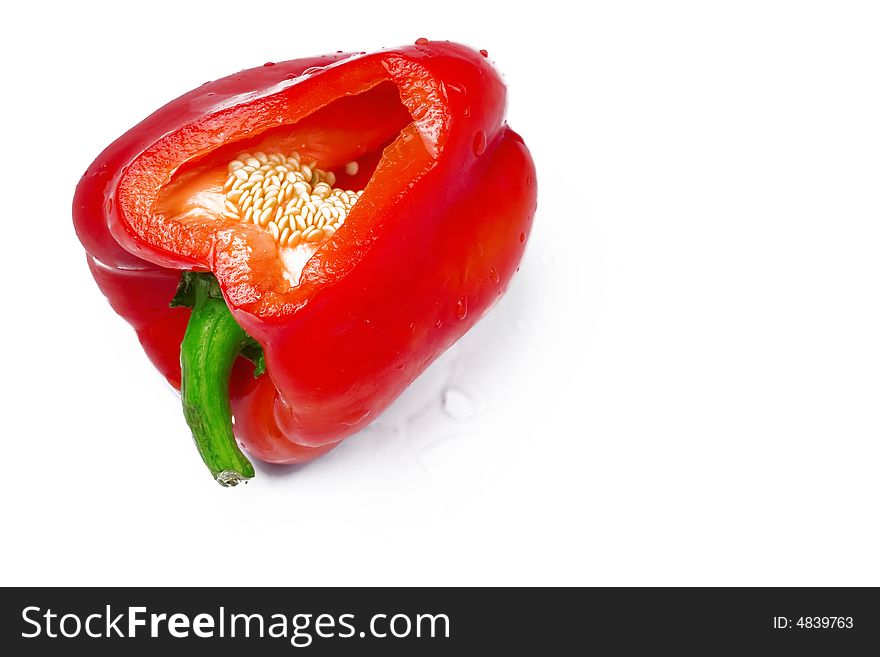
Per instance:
x=449, y=196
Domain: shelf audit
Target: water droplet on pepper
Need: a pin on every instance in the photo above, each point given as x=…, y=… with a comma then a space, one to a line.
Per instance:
x=479, y=143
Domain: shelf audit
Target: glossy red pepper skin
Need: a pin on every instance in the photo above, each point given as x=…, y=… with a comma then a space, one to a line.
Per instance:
x=432, y=243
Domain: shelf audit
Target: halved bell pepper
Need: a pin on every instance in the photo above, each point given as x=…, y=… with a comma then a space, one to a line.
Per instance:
x=340, y=221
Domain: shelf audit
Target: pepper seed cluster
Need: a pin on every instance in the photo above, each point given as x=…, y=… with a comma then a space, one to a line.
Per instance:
x=295, y=202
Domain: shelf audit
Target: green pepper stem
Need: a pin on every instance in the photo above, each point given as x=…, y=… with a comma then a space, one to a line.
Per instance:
x=212, y=342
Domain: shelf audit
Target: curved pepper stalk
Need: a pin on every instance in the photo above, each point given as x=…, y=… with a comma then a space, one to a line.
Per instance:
x=211, y=344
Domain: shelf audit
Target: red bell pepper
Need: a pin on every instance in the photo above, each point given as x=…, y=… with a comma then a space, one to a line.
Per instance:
x=345, y=298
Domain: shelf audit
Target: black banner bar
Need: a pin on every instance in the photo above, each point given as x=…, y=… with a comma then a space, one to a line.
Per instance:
x=277, y=621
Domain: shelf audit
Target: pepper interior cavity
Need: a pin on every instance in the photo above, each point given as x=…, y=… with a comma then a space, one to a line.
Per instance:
x=297, y=182
x=295, y=202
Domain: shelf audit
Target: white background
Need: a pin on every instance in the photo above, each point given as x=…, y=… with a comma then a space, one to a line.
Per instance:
x=681, y=386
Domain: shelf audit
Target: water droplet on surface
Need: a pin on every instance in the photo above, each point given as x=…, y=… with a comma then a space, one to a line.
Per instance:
x=412, y=327
x=484, y=53
x=467, y=111
x=438, y=324
x=493, y=274
x=269, y=64
x=522, y=237
x=458, y=405
x=312, y=70
x=290, y=76
x=461, y=308
x=421, y=41
x=479, y=143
